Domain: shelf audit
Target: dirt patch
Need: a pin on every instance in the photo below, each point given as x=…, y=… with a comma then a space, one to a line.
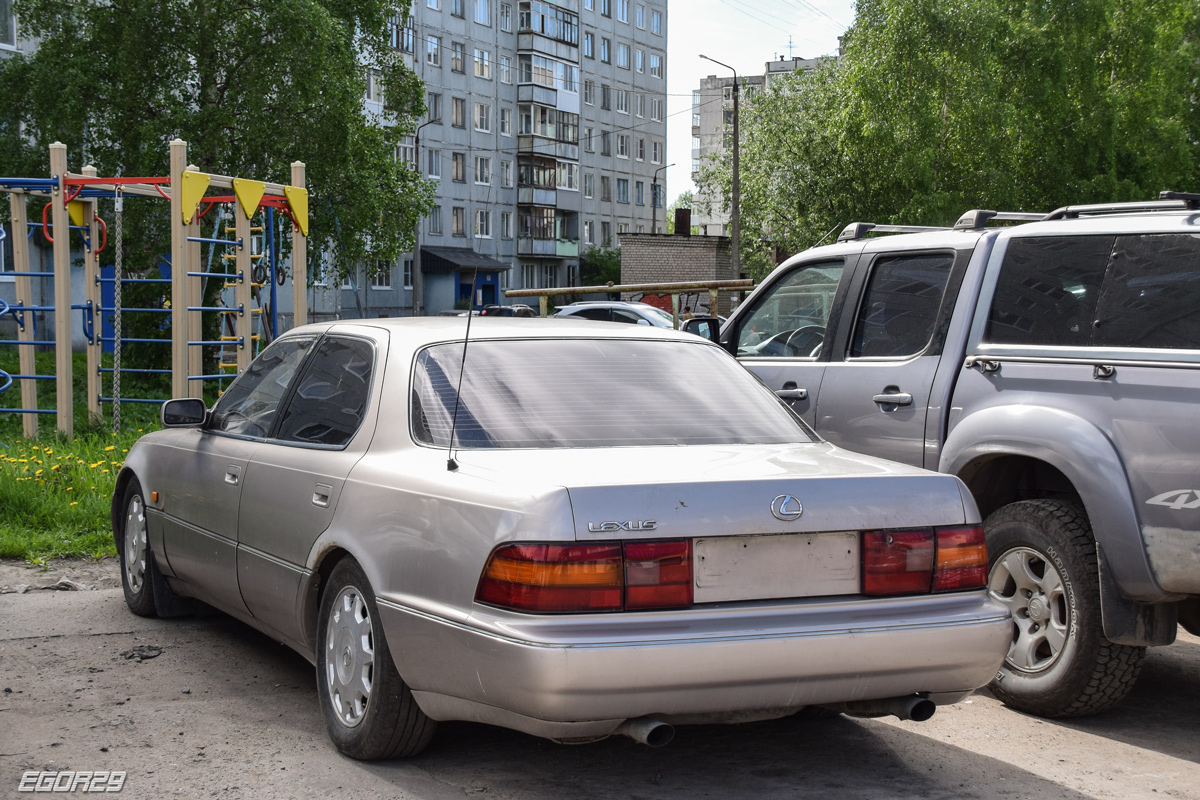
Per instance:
x=59, y=574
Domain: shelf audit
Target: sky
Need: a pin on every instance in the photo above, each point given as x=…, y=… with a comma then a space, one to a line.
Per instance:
x=744, y=34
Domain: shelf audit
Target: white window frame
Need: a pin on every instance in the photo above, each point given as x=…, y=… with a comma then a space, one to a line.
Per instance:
x=483, y=170
x=622, y=145
x=483, y=64
x=434, y=164
x=623, y=11
x=505, y=121
x=435, y=221
x=656, y=66
x=622, y=101
x=382, y=281
x=406, y=272
x=656, y=22
x=483, y=223
x=505, y=226
x=483, y=117
x=639, y=17
x=433, y=51
x=483, y=8
x=506, y=173
x=506, y=17
x=505, y=69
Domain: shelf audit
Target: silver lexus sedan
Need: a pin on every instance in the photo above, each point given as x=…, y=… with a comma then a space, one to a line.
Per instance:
x=572, y=530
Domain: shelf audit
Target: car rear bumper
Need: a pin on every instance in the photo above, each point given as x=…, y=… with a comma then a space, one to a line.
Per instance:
x=581, y=675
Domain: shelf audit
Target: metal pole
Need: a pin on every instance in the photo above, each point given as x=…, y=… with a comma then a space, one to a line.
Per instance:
x=417, y=280
x=654, y=200
x=735, y=215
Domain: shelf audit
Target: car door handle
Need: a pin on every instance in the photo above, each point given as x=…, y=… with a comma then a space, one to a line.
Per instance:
x=792, y=394
x=321, y=494
x=893, y=398
x=233, y=475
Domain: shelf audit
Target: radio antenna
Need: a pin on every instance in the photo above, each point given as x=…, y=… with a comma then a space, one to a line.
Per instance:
x=451, y=464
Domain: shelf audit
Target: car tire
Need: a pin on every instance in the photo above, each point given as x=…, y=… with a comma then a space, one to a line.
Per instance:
x=138, y=570
x=1042, y=566
x=369, y=710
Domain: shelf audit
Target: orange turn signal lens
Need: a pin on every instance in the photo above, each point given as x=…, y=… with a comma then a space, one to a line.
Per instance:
x=962, y=560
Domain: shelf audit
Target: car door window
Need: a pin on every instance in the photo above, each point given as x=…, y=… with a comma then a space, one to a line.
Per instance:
x=625, y=316
x=1151, y=294
x=790, y=320
x=249, y=406
x=331, y=395
x=593, y=313
x=900, y=305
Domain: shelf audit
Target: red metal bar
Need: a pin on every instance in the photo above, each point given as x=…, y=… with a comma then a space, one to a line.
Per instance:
x=45, y=230
x=104, y=240
x=113, y=181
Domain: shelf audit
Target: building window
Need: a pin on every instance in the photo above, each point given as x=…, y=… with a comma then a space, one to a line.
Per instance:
x=622, y=145
x=505, y=121
x=458, y=54
x=656, y=195
x=589, y=184
x=639, y=16
x=407, y=265
x=589, y=232
x=623, y=10
x=622, y=227
x=639, y=104
x=549, y=276
x=656, y=22
x=656, y=68
x=433, y=105
x=483, y=170
x=622, y=101
x=605, y=50
x=505, y=224
x=504, y=277
x=589, y=45
x=656, y=152
x=605, y=189
x=605, y=97
x=528, y=277
x=656, y=108
x=606, y=8
x=622, y=190
x=483, y=12
x=640, y=193
x=483, y=117
x=434, y=4
x=483, y=224
x=433, y=51
x=605, y=232
x=506, y=17
x=458, y=162
x=589, y=92
x=641, y=150
x=458, y=221
x=435, y=163
x=435, y=220
x=639, y=60
x=381, y=278
x=456, y=8
x=372, y=93
x=403, y=36
x=458, y=112
x=483, y=64
x=505, y=69
x=568, y=176
x=588, y=147
x=506, y=173
x=406, y=151
x=605, y=144
x=623, y=56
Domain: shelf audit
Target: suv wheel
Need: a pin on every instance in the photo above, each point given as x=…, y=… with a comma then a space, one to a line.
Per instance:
x=1042, y=566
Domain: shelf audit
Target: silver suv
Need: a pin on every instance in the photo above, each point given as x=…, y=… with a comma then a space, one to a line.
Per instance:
x=617, y=311
x=1054, y=366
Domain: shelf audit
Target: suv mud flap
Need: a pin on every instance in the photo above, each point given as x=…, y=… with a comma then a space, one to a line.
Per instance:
x=1129, y=622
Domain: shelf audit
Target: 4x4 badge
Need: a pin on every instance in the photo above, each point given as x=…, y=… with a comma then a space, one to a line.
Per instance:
x=1177, y=499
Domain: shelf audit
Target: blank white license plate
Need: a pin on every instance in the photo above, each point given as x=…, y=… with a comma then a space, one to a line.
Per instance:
x=766, y=567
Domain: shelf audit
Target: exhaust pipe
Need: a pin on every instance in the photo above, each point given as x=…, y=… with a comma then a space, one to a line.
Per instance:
x=910, y=707
x=647, y=730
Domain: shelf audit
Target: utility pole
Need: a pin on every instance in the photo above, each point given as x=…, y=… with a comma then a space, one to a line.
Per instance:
x=417, y=280
x=735, y=216
x=654, y=199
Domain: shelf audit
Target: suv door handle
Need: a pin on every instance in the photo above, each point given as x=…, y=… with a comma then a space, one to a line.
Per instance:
x=893, y=398
x=233, y=474
x=792, y=394
x=321, y=493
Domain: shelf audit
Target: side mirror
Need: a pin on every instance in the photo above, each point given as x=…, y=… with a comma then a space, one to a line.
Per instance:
x=187, y=412
x=642, y=322
x=706, y=327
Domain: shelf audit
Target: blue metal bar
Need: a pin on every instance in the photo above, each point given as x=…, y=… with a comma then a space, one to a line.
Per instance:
x=28, y=411
x=132, y=400
x=72, y=227
x=228, y=376
x=205, y=240
x=32, y=377
x=216, y=343
x=212, y=308
x=126, y=340
x=215, y=275
x=8, y=379
x=33, y=274
x=19, y=342
x=134, y=280
x=126, y=310
x=28, y=184
x=103, y=370
x=15, y=309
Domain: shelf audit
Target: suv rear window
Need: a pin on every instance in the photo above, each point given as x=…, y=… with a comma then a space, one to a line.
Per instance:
x=1099, y=291
x=593, y=393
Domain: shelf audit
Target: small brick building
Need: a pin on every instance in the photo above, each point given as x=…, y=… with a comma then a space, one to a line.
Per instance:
x=663, y=258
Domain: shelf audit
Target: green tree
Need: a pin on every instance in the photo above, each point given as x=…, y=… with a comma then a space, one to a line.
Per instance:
x=250, y=85
x=599, y=265
x=937, y=106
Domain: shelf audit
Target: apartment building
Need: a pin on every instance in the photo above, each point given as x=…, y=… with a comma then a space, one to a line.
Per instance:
x=545, y=125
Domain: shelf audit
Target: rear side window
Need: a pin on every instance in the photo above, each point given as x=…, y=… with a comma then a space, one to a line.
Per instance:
x=1151, y=294
x=1048, y=289
x=331, y=394
x=900, y=306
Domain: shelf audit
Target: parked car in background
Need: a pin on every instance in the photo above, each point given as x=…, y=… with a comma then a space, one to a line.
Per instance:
x=1054, y=366
x=617, y=311
x=514, y=310
x=607, y=530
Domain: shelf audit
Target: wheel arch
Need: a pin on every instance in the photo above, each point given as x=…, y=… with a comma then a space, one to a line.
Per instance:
x=123, y=478
x=322, y=565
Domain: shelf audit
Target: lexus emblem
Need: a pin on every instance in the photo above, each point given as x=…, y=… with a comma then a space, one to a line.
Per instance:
x=786, y=508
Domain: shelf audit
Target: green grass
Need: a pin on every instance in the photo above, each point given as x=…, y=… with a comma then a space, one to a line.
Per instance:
x=55, y=492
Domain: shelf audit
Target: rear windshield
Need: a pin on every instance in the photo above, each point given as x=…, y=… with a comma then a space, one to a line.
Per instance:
x=593, y=393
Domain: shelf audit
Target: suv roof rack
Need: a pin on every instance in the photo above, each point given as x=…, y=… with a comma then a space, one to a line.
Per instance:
x=1167, y=201
x=977, y=218
x=857, y=230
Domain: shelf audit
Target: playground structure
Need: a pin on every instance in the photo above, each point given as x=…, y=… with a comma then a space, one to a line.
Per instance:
x=73, y=207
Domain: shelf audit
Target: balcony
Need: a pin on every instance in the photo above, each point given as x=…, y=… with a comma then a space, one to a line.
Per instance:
x=534, y=196
x=527, y=246
x=536, y=93
x=530, y=42
x=567, y=248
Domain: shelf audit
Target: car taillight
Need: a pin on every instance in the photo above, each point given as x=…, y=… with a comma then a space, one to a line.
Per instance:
x=658, y=574
x=961, y=559
x=924, y=560
x=600, y=576
x=897, y=562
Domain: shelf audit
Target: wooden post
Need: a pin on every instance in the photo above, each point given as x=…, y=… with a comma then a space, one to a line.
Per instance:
x=62, y=292
x=179, y=270
x=542, y=306
x=195, y=291
x=91, y=294
x=24, y=287
x=245, y=269
x=712, y=302
x=299, y=260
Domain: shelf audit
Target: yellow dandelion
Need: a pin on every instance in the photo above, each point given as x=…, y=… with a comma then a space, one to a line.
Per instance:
x=74, y=503
x=104, y=471
x=110, y=448
x=70, y=488
x=55, y=468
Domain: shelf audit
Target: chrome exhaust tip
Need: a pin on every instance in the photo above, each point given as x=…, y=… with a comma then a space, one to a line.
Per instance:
x=910, y=707
x=647, y=730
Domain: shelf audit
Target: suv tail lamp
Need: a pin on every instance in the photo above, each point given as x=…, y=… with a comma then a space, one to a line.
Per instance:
x=924, y=560
x=580, y=578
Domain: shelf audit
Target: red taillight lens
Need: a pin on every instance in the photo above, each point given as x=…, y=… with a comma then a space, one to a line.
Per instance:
x=897, y=562
x=554, y=577
x=601, y=576
x=961, y=559
x=658, y=574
